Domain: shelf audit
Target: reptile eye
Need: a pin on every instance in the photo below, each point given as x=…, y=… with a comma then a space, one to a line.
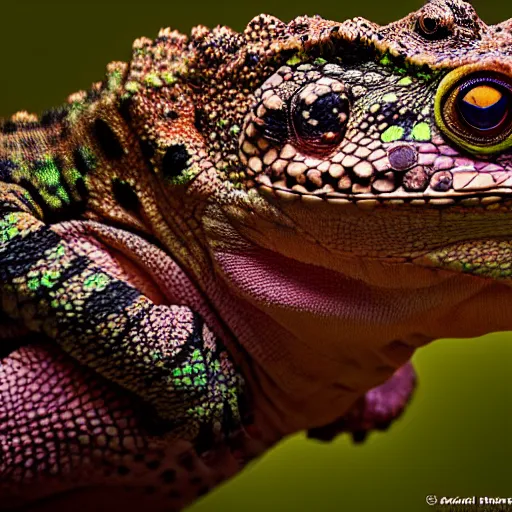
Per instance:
x=319, y=114
x=483, y=105
x=473, y=107
x=434, y=23
x=428, y=25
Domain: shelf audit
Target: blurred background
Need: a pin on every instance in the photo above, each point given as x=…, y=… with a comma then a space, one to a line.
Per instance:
x=455, y=438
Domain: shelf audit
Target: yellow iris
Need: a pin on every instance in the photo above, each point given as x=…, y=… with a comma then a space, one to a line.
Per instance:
x=483, y=96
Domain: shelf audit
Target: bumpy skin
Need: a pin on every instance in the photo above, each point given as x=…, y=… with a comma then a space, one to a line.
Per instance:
x=236, y=237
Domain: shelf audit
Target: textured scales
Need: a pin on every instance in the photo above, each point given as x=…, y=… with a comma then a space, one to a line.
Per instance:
x=235, y=237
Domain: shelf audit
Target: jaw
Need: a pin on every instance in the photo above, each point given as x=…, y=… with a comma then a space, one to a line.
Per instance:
x=334, y=275
x=361, y=243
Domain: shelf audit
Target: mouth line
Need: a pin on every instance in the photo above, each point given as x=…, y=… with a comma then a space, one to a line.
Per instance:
x=471, y=188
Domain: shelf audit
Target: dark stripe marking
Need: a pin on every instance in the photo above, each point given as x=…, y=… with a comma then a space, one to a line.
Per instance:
x=115, y=298
x=30, y=247
x=124, y=194
x=107, y=140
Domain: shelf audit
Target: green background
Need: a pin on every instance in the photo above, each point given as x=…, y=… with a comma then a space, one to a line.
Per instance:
x=455, y=438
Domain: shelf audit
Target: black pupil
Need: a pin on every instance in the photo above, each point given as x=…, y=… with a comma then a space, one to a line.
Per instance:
x=429, y=25
x=324, y=121
x=480, y=112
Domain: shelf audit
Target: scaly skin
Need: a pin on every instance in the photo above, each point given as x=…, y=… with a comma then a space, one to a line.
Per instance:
x=236, y=237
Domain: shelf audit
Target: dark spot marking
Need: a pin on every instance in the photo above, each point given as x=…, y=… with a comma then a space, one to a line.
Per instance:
x=59, y=163
x=36, y=196
x=172, y=114
x=229, y=423
x=200, y=119
x=252, y=59
x=244, y=410
x=123, y=470
x=124, y=109
x=153, y=464
x=6, y=168
x=9, y=127
x=175, y=160
x=53, y=116
x=168, y=476
x=124, y=194
x=81, y=188
x=196, y=480
x=107, y=140
x=139, y=457
x=174, y=494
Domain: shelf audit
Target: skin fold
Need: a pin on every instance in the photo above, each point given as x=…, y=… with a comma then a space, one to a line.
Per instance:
x=235, y=237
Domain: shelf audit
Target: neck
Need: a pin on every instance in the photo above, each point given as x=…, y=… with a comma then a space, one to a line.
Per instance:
x=331, y=348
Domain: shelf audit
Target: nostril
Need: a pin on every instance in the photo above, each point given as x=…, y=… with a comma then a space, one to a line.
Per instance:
x=402, y=156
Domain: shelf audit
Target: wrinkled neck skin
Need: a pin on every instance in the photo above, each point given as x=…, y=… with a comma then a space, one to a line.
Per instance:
x=324, y=321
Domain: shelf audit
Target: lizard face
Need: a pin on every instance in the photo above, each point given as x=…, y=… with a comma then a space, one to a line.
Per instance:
x=383, y=143
x=337, y=143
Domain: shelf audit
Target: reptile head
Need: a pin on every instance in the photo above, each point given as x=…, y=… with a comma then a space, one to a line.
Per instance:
x=329, y=141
